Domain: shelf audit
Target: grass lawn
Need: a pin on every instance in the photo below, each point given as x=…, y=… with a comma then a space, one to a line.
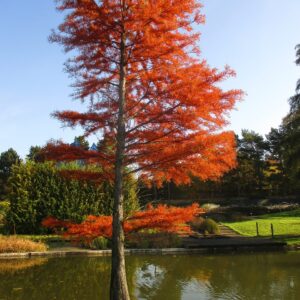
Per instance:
x=284, y=223
x=292, y=241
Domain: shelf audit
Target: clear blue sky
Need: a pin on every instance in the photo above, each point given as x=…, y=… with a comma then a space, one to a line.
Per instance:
x=255, y=37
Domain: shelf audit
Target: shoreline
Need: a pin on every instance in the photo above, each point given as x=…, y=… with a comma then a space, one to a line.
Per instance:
x=162, y=251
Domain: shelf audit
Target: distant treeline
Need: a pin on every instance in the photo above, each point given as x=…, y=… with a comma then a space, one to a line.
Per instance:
x=267, y=166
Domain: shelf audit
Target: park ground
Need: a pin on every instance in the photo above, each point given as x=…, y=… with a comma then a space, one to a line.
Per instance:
x=286, y=228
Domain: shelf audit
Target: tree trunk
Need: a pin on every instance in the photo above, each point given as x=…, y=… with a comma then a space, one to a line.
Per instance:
x=118, y=284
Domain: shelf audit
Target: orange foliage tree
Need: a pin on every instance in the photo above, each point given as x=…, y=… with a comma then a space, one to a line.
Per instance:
x=156, y=102
x=161, y=218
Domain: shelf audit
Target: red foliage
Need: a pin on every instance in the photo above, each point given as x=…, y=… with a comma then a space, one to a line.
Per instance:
x=161, y=218
x=174, y=108
x=51, y=222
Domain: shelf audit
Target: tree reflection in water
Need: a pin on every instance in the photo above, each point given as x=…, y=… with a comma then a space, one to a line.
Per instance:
x=187, y=277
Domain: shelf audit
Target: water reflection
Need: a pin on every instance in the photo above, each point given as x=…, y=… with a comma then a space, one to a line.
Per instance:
x=12, y=266
x=254, y=276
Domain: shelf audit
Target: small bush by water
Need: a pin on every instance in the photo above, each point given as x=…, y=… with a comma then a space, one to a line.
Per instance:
x=205, y=226
x=13, y=244
x=100, y=243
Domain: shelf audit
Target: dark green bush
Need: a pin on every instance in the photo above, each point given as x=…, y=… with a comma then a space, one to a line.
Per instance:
x=210, y=226
x=197, y=224
x=205, y=226
x=36, y=191
x=4, y=208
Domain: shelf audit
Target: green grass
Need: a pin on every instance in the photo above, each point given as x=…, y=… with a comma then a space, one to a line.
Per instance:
x=284, y=223
x=292, y=241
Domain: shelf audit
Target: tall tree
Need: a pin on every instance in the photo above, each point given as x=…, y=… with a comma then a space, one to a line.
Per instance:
x=252, y=150
x=284, y=141
x=291, y=129
x=7, y=160
x=34, y=153
x=158, y=104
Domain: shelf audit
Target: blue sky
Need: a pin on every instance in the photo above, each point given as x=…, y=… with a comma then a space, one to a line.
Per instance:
x=255, y=37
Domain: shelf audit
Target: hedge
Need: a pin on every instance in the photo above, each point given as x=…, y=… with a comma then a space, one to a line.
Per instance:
x=36, y=190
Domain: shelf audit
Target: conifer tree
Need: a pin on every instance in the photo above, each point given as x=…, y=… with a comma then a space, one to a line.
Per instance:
x=158, y=104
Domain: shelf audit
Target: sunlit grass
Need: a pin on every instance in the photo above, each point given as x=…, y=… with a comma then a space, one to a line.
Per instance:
x=292, y=241
x=284, y=223
x=13, y=244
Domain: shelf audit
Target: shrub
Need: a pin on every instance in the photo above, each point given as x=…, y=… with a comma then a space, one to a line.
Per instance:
x=197, y=224
x=36, y=191
x=205, y=226
x=100, y=243
x=13, y=244
x=210, y=226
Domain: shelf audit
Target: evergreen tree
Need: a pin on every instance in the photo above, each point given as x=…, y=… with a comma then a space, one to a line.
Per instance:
x=7, y=160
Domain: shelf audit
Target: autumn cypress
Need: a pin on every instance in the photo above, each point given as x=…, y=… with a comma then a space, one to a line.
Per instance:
x=150, y=94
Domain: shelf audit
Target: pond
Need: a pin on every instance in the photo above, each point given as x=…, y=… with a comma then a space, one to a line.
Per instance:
x=187, y=277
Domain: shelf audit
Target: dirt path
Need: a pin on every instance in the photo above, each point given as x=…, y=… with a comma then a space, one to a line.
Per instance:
x=228, y=232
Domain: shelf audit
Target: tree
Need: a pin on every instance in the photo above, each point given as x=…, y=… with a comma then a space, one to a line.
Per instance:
x=291, y=130
x=80, y=141
x=7, y=160
x=284, y=141
x=34, y=154
x=252, y=150
x=150, y=94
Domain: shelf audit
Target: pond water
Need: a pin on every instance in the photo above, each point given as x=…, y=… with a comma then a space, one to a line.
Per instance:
x=188, y=277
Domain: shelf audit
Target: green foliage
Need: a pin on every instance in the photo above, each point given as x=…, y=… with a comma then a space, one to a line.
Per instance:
x=7, y=160
x=4, y=208
x=205, y=226
x=34, y=153
x=100, y=243
x=210, y=226
x=285, y=223
x=265, y=167
x=36, y=190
